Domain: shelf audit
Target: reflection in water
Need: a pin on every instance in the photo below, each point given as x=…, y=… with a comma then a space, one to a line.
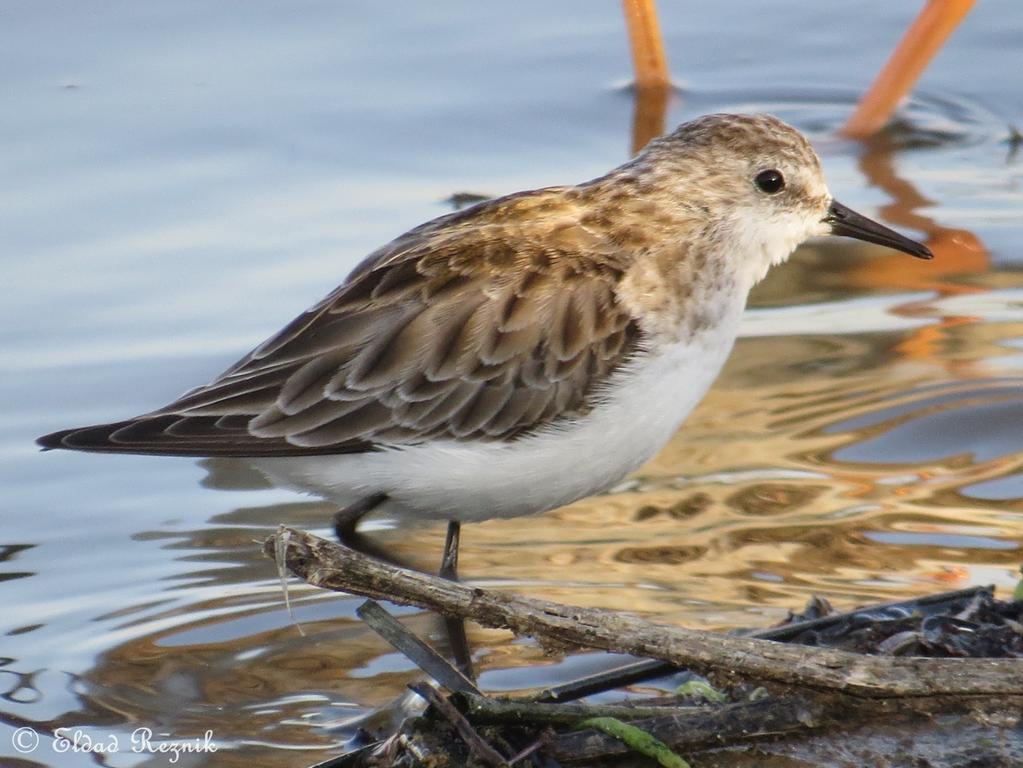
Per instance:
x=649, y=113
x=957, y=252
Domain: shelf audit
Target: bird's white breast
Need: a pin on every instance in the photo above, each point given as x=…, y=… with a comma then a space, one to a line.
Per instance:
x=642, y=406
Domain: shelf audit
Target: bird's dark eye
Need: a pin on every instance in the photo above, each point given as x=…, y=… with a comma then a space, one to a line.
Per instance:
x=770, y=181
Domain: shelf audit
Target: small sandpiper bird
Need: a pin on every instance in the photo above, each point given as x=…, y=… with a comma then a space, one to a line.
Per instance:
x=518, y=355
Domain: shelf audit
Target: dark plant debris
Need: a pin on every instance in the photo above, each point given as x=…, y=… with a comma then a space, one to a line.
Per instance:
x=977, y=626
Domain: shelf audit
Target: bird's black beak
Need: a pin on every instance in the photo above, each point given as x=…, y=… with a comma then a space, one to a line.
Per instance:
x=845, y=221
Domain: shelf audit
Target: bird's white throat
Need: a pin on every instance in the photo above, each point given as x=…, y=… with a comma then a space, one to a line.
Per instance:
x=765, y=244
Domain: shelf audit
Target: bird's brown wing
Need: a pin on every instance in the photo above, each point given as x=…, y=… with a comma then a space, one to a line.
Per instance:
x=482, y=325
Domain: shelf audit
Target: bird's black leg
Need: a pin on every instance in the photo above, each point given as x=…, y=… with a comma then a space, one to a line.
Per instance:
x=455, y=627
x=346, y=520
x=449, y=563
x=345, y=523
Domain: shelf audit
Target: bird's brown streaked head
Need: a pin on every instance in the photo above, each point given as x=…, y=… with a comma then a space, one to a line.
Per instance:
x=761, y=184
x=709, y=208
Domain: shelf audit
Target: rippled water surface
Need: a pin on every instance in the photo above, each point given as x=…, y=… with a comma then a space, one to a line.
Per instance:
x=180, y=179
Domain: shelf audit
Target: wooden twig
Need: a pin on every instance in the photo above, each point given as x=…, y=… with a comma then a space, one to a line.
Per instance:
x=483, y=709
x=708, y=727
x=607, y=680
x=332, y=566
x=418, y=652
x=473, y=740
x=837, y=717
x=530, y=750
x=638, y=671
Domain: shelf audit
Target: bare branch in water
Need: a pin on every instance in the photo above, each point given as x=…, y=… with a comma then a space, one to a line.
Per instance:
x=333, y=566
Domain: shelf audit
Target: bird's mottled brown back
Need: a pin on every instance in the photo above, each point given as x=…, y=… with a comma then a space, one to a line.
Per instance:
x=481, y=325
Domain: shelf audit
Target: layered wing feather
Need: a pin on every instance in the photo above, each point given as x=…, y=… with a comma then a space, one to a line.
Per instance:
x=481, y=325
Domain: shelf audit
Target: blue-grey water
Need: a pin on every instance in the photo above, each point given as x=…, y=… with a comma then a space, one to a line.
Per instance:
x=178, y=179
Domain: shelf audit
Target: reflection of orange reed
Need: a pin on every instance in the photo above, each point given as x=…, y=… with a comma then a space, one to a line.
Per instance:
x=956, y=251
x=652, y=82
x=649, y=113
x=922, y=40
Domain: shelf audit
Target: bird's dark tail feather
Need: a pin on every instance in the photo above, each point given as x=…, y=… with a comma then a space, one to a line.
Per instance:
x=178, y=435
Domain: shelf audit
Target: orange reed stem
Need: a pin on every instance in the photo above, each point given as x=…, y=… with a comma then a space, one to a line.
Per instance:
x=922, y=40
x=648, y=59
